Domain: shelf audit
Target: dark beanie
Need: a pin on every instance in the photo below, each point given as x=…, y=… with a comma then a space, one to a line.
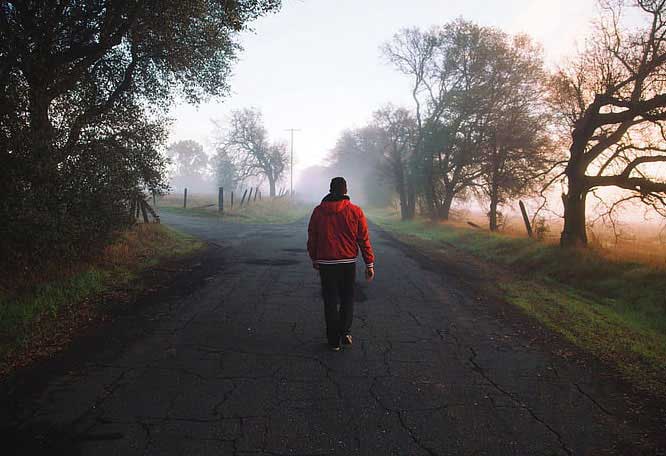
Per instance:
x=338, y=186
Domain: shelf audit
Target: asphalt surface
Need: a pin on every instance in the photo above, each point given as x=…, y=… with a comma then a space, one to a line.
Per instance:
x=238, y=365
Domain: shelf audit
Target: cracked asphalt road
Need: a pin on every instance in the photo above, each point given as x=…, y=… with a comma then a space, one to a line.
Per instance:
x=239, y=366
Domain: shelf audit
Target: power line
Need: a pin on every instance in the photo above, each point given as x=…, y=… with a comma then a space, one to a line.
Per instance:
x=291, y=172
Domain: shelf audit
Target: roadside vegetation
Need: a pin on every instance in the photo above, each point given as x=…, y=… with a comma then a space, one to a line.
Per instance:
x=41, y=312
x=267, y=210
x=84, y=103
x=613, y=308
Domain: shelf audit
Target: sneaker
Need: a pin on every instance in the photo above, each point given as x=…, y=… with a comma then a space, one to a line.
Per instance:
x=335, y=348
x=347, y=339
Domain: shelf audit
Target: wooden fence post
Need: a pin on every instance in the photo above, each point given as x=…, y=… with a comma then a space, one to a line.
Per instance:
x=220, y=199
x=185, y=199
x=243, y=198
x=152, y=212
x=526, y=219
x=132, y=210
x=144, y=212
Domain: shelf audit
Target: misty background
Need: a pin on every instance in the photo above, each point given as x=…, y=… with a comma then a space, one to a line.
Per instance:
x=317, y=67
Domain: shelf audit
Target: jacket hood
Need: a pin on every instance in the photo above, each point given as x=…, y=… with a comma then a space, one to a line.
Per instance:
x=333, y=203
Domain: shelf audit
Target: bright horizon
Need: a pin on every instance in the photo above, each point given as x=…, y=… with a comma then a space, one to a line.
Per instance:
x=316, y=65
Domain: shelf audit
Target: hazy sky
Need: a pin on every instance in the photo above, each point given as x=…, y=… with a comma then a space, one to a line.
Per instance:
x=316, y=64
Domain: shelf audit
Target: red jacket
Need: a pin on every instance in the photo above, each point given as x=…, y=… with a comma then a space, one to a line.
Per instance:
x=336, y=231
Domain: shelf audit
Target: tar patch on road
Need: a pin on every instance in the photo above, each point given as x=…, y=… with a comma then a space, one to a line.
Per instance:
x=271, y=262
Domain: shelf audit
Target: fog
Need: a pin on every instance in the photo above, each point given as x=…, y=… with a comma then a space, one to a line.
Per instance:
x=327, y=85
x=316, y=65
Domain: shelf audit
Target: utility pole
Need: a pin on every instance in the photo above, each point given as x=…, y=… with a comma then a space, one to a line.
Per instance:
x=291, y=172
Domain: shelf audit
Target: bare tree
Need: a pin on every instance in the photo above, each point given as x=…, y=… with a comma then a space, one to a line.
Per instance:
x=399, y=131
x=612, y=98
x=246, y=143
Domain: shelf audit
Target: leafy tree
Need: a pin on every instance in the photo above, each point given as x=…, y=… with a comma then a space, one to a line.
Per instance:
x=245, y=142
x=479, y=121
x=413, y=52
x=356, y=156
x=398, y=129
x=225, y=171
x=516, y=132
x=448, y=67
x=189, y=162
x=613, y=102
x=84, y=86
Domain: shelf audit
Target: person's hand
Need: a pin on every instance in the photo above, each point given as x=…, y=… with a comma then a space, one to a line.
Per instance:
x=315, y=266
x=369, y=273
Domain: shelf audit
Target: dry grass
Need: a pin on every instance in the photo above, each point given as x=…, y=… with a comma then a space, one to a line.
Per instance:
x=264, y=211
x=640, y=242
x=195, y=200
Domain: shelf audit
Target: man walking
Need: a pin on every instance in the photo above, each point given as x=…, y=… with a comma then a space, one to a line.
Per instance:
x=336, y=231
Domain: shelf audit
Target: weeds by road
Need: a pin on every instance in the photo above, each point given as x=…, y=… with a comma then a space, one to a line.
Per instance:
x=614, y=309
x=39, y=318
x=276, y=210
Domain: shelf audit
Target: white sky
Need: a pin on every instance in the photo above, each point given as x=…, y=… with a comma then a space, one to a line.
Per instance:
x=316, y=64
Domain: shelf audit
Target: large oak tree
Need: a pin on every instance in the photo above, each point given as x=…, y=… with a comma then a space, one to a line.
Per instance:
x=613, y=99
x=84, y=89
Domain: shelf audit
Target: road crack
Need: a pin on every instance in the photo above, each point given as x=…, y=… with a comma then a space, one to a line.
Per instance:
x=520, y=404
x=593, y=400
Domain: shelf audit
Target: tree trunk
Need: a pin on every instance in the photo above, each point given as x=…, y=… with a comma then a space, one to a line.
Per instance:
x=445, y=208
x=492, y=214
x=402, y=192
x=429, y=188
x=271, y=186
x=41, y=137
x=404, y=209
x=411, y=199
x=574, y=233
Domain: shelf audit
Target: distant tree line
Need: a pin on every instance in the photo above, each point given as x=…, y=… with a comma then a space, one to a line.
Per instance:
x=242, y=155
x=84, y=92
x=488, y=120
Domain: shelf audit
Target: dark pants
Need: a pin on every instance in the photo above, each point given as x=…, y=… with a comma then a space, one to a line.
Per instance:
x=337, y=287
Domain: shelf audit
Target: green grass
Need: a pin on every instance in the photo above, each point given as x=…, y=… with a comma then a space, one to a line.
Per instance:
x=31, y=310
x=268, y=211
x=614, y=309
